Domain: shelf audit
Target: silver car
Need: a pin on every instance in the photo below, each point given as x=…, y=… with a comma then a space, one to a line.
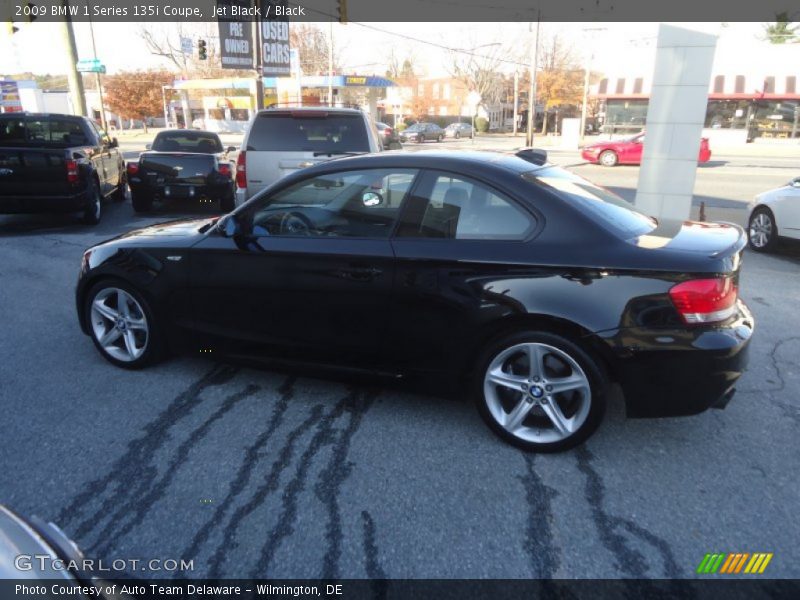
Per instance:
x=281, y=140
x=459, y=130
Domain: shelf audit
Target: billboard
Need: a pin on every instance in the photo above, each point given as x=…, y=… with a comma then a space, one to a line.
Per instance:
x=9, y=97
x=235, y=37
x=275, y=55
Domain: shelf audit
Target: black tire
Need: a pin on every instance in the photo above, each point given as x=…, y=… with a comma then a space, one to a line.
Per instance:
x=142, y=203
x=440, y=138
x=154, y=349
x=457, y=135
x=227, y=203
x=594, y=374
x=94, y=208
x=608, y=158
x=122, y=187
x=762, y=221
x=421, y=138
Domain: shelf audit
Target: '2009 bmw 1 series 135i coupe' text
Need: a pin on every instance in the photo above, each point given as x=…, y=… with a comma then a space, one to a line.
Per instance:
x=526, y=284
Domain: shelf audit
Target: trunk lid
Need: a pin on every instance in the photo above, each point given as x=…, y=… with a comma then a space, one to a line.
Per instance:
x=165, y=168
x=33, y=172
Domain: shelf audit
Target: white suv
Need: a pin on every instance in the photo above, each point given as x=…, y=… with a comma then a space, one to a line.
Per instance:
x=281, y=140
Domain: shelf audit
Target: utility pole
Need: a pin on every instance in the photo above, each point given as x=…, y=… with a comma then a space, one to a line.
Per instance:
x=516, y=99
x=330, y=64
x=586, y=82
x=532, y=91
x=259, y=78
x=73, y=77
x=97, y=81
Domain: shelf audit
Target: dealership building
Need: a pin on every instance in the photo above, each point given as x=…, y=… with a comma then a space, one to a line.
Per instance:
x=753, y=93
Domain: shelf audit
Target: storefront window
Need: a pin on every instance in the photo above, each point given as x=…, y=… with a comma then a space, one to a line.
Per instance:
x=625, y=116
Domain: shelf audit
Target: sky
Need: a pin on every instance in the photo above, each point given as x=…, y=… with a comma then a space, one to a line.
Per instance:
x=365, y=48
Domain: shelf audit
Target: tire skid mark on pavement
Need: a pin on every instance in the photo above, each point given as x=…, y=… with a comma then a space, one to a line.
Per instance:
x=127, y=473
x=332, y=477
x=324, y=436
x=628, y=560
x=544, y=556
x=371, y=564
x=262, y=493
x=136, y=509
x=243, y=475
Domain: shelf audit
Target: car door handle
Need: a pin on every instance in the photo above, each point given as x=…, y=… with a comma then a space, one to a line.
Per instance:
x=360, y=274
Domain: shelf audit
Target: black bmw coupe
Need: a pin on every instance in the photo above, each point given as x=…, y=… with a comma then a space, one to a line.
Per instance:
x=530, y=286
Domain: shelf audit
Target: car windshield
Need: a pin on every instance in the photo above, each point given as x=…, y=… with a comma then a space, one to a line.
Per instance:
x=187, y=141
x=318, y=132
x=605, y=207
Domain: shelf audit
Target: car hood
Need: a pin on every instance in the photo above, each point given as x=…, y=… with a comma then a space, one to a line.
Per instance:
x=717, y=240
x=180, y=228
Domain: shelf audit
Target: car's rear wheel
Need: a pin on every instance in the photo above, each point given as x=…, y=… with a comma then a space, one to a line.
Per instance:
x=608, y=158
x=94, y=206
x=540, y=391
x=440, y=138
x=457, y=135
x=141, y=202
x=421, y=138
x=122, y=325
x=762, y=231
x=122, y=186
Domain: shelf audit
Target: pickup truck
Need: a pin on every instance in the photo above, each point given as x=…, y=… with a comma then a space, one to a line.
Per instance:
x=57, y=163
x=183, y=164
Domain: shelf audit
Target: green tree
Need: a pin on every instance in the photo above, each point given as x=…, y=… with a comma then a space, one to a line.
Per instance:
x=782, y=31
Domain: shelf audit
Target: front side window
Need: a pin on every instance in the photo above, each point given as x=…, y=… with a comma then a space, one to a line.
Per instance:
x=453, y=207
x=360, y=204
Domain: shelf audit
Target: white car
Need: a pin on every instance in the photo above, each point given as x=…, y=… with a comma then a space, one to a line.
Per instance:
x=775, y=214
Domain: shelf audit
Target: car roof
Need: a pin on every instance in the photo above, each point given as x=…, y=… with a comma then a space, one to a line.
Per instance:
x=40, y=115
x=291, y=109
x=187, y=131
x=466, y=161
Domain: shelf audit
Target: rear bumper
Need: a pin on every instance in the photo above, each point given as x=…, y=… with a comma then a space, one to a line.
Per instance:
x=678, y=373
x=14, y=205
x=184, y=191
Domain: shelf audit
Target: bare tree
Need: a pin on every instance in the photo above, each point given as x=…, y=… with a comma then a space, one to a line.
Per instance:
x=400, y=68
x=312, y=45
x=478, y=70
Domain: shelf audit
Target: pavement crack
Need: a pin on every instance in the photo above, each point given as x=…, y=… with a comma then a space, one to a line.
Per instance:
x=331, y=478
x=628, y=560
x=323, y=436
x=137, y=507
x=243, y=475
x=373, y=567
x=261, y=494
x=543, y=554
x=132, y=473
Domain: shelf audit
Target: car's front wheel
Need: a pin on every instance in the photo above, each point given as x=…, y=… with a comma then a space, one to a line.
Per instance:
x=762, y=231
x=608, y=158
x=540, y=391
x=440, y=138
x=457, y=135
x=122, y=325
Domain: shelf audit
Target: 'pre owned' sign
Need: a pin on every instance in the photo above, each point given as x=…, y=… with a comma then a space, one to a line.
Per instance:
x=235, y=37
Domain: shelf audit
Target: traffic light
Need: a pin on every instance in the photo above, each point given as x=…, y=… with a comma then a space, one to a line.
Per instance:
x=202, y=50
x=341, y=8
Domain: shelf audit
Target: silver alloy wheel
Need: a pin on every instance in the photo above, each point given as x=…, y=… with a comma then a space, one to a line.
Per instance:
x=760, y=230
x=119, y=324
x=608, y=158
x=537, y=392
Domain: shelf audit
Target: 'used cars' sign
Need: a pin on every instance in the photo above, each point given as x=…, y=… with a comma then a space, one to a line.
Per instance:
x=275, y=58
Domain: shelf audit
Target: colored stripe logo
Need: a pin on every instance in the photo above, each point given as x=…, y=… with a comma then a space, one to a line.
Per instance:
x=735, y=563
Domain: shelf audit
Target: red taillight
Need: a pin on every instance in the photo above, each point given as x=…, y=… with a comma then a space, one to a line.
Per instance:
x=241, y=170
x=388, y=131
x=72, y=171
x=705, y=300
x=224, y=169
x=133, y=168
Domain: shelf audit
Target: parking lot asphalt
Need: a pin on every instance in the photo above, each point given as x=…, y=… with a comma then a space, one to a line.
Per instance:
x=269, y=474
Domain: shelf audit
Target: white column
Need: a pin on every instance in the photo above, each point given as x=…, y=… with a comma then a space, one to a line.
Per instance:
x=675, y=118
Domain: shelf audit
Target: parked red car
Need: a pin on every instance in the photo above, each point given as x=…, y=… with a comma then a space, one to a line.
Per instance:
x=628, y=151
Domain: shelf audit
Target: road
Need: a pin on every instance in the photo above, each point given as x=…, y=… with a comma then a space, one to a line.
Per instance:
x=263, y=473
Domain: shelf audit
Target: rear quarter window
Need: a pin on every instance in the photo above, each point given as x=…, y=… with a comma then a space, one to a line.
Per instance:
x=286, y=132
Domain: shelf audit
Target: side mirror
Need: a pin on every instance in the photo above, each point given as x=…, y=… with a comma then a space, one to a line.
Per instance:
x=228, y=226
x=230, y=149
x=114, y=143
x=795, y=182
x=148, y=146
x=372, y=199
